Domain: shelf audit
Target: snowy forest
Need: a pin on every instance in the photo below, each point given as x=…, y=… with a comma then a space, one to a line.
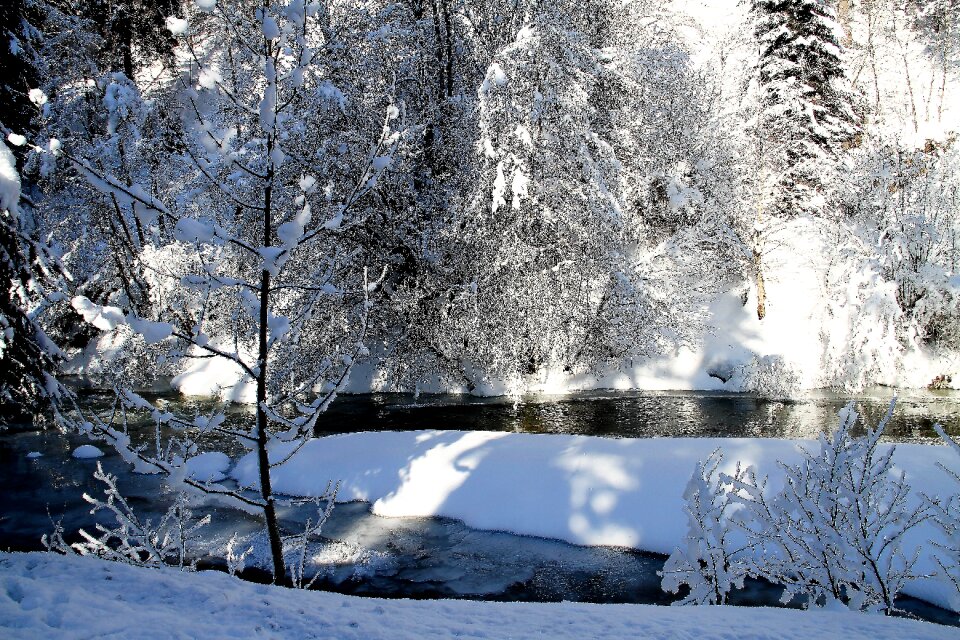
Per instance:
x=459, y=196
x=281, y=203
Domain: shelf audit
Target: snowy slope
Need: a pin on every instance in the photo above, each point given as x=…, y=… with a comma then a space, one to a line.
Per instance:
x=50, y=596
x=585, y=490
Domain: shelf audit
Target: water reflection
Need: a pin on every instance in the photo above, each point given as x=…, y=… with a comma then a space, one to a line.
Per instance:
x=618, y=414
x=644, y=414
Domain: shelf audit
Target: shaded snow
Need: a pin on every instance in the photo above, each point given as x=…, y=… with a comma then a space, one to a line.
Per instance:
x=47, y=595
x=9, y=180
x=87, y=451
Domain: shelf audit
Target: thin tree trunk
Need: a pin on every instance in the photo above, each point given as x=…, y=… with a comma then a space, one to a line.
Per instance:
x=873, y=66
x=263, y=459
x=761, y=287
x=943, y=81
x=906, y=74
x=843, y=13
x=757, y=249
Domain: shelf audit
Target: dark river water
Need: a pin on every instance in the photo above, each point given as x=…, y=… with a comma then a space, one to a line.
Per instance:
x=364, y=554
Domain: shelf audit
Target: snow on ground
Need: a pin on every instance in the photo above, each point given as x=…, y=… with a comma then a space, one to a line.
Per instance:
x=85, y=451
x=216, y=377
x=50, y=596
x=581, y=489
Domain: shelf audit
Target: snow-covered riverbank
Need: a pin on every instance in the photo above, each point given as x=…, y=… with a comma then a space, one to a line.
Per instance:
x=585, y=490
x=51, y=596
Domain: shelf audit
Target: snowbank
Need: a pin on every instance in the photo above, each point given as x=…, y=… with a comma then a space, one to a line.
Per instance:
x=51, y=596
x=86, y=451
x=208, y=467
x=585, y=490
x=215, y=376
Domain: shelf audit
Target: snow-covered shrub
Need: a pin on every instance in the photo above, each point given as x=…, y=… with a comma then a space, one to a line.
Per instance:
x=835, y=530
x=771, y=376
x=863, y=326
x=946, y=516
x=132, y=540
x=832, y=534
x=712, y=560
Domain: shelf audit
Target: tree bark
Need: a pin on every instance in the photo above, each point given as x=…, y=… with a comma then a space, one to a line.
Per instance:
x=761, y=287
x=843, y=15
x=263, y=459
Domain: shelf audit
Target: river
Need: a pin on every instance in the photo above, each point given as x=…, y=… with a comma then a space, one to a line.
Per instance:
x=365, y=554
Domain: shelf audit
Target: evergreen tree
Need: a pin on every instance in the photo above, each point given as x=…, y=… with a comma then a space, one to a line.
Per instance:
x=806, y=106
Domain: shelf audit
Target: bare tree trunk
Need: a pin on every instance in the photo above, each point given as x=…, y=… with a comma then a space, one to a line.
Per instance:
x=872, y=52
x=843, y=13
x=943, y=80
x=263, y=459
x=761, y=287
x=756, y=245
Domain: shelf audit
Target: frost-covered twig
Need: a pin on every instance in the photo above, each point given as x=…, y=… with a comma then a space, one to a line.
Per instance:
x=312, y=529
x=133, y=541
x=236, y=561
x=710, y=562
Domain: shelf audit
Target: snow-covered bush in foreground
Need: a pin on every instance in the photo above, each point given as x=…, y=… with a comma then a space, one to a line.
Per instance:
x=946, y=516
x=834, y=533
x=711, y=562
x=134, y=541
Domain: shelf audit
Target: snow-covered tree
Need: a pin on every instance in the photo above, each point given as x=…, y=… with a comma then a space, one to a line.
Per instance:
x=246, y=244
x=551, y=193
x=559, y=269
x=905, y=207
x=806, y=107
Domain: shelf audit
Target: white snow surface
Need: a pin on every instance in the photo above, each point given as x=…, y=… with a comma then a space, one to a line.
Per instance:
x=9, y=181
x=191, y=230
x=585, y=490
x=218, y=376
x=86, y=451
x=44, y=595
x=208, y=467
x=152, y=332
x=177, y=26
